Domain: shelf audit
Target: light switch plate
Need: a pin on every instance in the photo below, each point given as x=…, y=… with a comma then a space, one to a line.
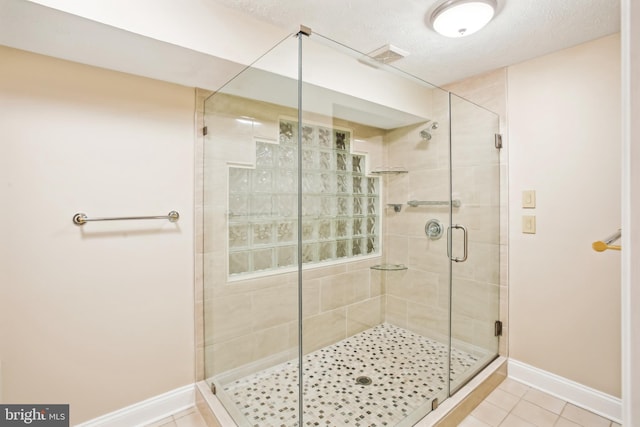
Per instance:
x=529, y=199
x=529, y=224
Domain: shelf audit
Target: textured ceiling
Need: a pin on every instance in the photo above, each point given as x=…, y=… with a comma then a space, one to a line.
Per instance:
x=522, y=29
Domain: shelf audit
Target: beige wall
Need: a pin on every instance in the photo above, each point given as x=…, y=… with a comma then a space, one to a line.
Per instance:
x=99, y=317
x=564, y=134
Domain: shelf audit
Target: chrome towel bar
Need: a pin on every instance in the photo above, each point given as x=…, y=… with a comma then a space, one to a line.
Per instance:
x=81, y=218
x=415, y=203
x=603, y=245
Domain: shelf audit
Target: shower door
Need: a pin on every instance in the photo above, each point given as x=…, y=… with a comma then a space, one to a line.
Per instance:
x=474, y=239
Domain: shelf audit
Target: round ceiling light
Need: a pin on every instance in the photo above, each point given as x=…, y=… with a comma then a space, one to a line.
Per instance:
x=459, y=18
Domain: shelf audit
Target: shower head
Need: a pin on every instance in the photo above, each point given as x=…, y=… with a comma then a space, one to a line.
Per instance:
x=425, y=134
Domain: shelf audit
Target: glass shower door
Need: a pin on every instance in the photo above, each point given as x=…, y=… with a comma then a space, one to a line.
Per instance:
x=474, y=239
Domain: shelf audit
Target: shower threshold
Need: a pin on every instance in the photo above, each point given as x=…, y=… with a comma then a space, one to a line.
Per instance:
x=404, y=373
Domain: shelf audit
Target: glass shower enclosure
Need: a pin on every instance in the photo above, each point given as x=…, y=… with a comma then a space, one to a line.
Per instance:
x=351, y=240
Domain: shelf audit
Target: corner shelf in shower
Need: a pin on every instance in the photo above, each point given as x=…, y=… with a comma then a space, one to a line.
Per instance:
x=389, y=267
x=389, y=171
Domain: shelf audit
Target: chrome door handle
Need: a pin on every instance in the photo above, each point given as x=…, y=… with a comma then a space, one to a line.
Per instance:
x=466, y=243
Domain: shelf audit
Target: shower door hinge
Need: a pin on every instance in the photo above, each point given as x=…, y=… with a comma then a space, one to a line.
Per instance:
x=213, y=388
x=205, y=130
x=498, y=140
x=498, y=328
x=434, y=404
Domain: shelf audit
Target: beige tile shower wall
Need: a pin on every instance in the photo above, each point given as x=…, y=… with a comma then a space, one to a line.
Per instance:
x=490, y=91
x=418, y=298
x=254, y=321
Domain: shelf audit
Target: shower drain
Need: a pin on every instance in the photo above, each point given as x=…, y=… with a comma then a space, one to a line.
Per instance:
x=363, y=380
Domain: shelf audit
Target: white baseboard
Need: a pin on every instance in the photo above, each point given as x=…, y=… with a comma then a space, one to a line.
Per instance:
x=580, y=395
x=147, y=411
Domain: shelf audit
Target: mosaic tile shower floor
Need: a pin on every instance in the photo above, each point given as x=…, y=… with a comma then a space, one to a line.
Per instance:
x=407, y=371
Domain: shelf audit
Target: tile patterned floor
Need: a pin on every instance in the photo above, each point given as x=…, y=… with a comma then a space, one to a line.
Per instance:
x=514, y=404
x=406, y=371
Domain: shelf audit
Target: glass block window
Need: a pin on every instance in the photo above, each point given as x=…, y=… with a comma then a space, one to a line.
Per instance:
x=340, y=205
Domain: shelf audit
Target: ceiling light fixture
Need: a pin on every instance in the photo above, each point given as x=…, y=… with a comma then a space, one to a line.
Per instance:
x=459, y=18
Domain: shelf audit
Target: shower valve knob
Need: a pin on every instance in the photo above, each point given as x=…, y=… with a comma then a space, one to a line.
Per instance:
x=434, y=229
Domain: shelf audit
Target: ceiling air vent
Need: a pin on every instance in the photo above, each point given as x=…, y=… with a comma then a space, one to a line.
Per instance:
x=388, y=53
